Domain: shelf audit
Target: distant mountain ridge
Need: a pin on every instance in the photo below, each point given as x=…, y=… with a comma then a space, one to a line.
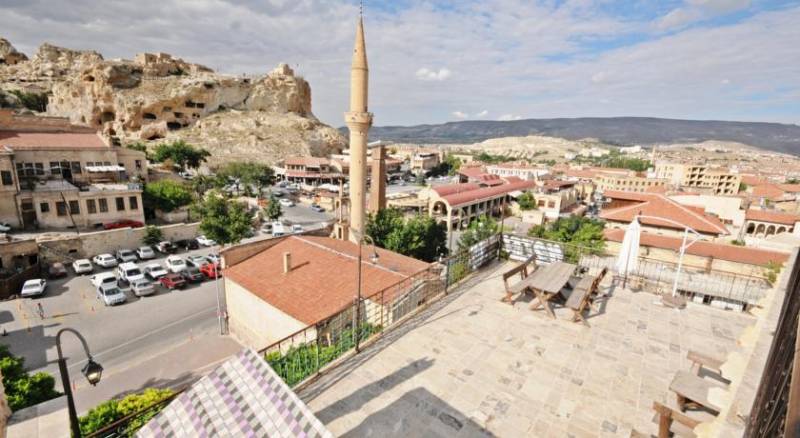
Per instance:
x=614, y=130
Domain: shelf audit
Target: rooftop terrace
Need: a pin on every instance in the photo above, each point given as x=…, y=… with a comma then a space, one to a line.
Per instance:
x=471, y=365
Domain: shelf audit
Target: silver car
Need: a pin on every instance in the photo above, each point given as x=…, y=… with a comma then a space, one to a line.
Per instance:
x=145, y=253
x=33, y=288
x=111, y=295
x=142, y=288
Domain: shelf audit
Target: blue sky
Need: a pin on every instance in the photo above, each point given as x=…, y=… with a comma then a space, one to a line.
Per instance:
x=436, y=61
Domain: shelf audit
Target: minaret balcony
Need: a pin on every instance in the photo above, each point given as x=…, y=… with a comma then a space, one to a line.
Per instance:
x=358, y=117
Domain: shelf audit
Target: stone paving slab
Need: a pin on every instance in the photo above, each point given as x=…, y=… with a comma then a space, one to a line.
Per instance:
x=474, y=366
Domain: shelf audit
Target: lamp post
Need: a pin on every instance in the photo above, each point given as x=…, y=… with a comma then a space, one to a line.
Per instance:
x=93, y=372
x=357, y=314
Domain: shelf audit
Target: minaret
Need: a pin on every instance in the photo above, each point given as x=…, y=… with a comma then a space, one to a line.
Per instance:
x=358, y=120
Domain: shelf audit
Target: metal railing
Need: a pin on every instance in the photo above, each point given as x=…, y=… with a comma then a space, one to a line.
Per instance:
x=128, y=425
x=307, y=352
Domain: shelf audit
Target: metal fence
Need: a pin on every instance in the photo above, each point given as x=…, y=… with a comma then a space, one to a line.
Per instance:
x=305, y=353
x=128, y=425
x=717, y=288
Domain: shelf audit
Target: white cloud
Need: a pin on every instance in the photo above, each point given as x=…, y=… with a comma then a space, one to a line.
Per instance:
x=599, y=77
x=509, y=117
x=460, y=115
x=425, y=74
x=695, y=10
x=482, y=114
x=725, y=81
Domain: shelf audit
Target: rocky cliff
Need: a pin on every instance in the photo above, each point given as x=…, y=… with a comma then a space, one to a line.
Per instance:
x=156, y=96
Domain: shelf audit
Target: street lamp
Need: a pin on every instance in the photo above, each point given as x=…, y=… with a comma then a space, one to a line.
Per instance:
x=93, y=371
x=374, y=259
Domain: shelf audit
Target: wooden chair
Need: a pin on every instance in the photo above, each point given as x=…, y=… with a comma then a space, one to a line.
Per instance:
x=673, y=422
x=522, y=270
x=596, y=291
x=702, y=361
x=579, y=298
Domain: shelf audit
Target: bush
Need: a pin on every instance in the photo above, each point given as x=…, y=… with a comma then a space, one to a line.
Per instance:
x=108, y=412
x=152, y=235
x=526, y=201
x=32, y=101
x=181, y=154
x=166, y=195
x=22, y=389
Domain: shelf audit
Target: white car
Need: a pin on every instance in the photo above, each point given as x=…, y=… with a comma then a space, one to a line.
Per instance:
x=196, y=260
x=105, y=260
x=33, y=288
x=175, y=264
x=205, y=241
x=111, y=295
x=154, y=271
x=297, y=228
x=82, y=266
x=142, y=287
x=286, y=203
x=129, y=272
x=4, y=227
x=125, y=255
x=103, y=279
x=145, y=253
x=213, y=258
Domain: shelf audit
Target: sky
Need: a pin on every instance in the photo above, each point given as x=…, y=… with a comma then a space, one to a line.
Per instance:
x=437, y=61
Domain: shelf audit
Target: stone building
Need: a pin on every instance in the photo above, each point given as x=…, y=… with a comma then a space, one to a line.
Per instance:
x=710, y=180
x=764, y=223
x=57, y=175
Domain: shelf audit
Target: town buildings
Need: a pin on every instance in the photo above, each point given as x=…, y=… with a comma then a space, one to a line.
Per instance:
x=704, y=178
x=54, y=174
x=519, y=170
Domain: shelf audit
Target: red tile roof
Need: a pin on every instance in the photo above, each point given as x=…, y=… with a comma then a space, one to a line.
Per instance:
x=323, y=277
x=775, y=217
x=306, y=161
x=750, y=256
x=472, y=171
x=791, y=188
x=20, y=140
x=768, y=191
x=467, y=197
x=449, y=189
x=657, y=205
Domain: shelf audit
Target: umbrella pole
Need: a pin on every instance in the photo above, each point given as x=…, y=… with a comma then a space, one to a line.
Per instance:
x=680, y=262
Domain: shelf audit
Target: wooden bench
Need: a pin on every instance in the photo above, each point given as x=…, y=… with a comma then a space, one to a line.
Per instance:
x=673, y=422
x=692, y=390
x=579, y=298
x=518, y=287
x=700, y=361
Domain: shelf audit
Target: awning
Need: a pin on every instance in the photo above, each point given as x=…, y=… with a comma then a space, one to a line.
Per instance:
x=97, y=169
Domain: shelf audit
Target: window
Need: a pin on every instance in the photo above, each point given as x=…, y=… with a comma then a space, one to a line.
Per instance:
x=91, y=206
x=134, y=202
x=76, y=167
x=44, y=207
x=61, y=208
x=138, y=164
x=551, y=204
x=74, y=207
x=103, y=205
x=55, y=168
x=39, y=169
x=120, y=204
x=8, y=180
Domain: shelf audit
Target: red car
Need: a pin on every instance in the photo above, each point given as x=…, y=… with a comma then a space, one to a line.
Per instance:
x=123, y=224
x=210, y=270
x=173, y=281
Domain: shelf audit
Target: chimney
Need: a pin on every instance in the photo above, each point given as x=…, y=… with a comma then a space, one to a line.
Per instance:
x=287, y=262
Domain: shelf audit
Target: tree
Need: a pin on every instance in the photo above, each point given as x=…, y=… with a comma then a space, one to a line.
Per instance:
x=22, y=389
x=152, y=235
x=32, y=101
x=202, y=183
x=181, y=153
x=166, y=195
x=743, y=187
x=273, y=210
x=250, y=174
x=110, y=411
x=526, y=201
x=221, y=219
x=478, y=230
x=384, y=222
x=421, y=237
x=576, y=230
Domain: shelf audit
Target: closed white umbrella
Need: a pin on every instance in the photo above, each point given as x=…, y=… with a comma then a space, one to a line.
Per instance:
x=629, y=252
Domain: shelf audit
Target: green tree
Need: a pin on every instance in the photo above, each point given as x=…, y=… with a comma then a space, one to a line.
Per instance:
x=576, y=230
x=181, y=153
x=166, y=195
x=250, y=174
x=480, y=229
x=32, y=101
x=152, y=235
x=22, y=389
x=221, y=219
x=743, y=187
x=110, y=411
x=273, y=210
x=384, y=222
x=526, y=201
x=202, y=183
x=421, y=237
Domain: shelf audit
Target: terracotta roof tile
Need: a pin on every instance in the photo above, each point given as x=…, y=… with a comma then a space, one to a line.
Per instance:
x=702, y=248
x=466, y=197
x=772, y=216
x=657, y=205
x=306, y=161
x=449, y=189
x=323, y=278
x=20, y=140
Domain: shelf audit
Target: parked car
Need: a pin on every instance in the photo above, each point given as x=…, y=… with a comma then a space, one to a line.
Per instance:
x=4, y=227
x=210, y=270
x=213, y=258
x=103, y=278
x=145, y=253
x=192, y=275
x=165, y=247
x=286, y=202
x=205, y=241
x=111, y=294
x=125, y=255
x=196, y=261
x=188, y=244
x=129, y=272
x=318, y=208
x=266, y=228
x=297, y=228
x=123, y=224
x=105, y=260
x=278, y=229
x=33, y=288
x=56, y=270
x=154, y=271
x=175, y=264
x=142, y=287
x=173, y=281
x=82, y=266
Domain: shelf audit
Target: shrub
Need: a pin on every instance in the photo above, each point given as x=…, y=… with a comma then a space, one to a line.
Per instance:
x=166, y=195
x=526, y=201
x=22, y=389
x=152, y=235
x=110, y=411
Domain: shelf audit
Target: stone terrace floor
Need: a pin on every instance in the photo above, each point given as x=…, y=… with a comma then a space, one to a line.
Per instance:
x=471, y=365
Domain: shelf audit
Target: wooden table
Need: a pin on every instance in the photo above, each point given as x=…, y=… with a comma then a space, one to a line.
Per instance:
x=547, y=282
x=689, y=388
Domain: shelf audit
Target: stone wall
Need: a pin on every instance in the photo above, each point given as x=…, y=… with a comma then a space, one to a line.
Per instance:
x=90, y=244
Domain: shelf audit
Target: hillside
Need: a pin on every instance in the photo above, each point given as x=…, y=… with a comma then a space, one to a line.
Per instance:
x=157, y=97
x=615, y=130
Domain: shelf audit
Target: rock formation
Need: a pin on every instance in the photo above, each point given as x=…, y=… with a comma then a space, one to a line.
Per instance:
x=156, y=96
